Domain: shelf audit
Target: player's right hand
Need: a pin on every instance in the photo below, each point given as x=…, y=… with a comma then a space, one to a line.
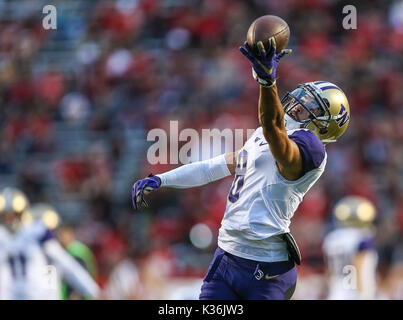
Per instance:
x=143, y=187
x=265, y=63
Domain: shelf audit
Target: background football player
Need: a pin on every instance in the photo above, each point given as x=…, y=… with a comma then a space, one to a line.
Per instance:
x=32, y=261
x=350, y=251
x=273, y=171
x=66, y=236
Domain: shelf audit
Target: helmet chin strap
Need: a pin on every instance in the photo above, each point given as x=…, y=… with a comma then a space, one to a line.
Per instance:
x=290, y=123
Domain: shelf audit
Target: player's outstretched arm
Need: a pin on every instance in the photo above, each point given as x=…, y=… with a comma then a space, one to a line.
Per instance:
x=271, y=113
x=72, y=271
x=187, y=176
x=365, y=265
x=284, y=150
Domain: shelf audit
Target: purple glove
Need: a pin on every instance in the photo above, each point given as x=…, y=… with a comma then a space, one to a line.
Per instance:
x=143, y=187
x=265, y=63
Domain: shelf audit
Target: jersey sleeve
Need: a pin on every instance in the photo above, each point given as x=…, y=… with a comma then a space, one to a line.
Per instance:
x=42, y=233
x=367, y=244
x=311, y=148
x=46, y=235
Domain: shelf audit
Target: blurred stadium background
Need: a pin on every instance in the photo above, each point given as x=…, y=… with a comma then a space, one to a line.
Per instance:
x=76, y=104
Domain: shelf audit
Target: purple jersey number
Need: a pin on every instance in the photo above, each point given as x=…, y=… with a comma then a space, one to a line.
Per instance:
x=16, y=260
x=239, y=179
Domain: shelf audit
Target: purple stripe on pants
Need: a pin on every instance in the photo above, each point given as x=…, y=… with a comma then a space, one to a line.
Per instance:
x=233, y=278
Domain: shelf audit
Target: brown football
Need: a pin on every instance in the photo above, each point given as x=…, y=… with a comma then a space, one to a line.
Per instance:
x=265, y=27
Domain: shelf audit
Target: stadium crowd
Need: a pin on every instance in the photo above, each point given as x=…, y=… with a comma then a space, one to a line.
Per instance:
x=134, y=65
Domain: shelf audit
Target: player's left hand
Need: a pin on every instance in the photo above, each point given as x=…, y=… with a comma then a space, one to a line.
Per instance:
x=143, y=187
x=265, y=63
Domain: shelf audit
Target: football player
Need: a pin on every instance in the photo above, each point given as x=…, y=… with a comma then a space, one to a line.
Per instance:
x=350, y=251
x=66, y=237
x=275, y=168
x=31, y=259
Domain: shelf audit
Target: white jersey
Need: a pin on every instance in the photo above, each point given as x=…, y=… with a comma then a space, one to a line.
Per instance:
x=32, y=264
x=340, y=247
x=261, y=202
x=24, y=268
